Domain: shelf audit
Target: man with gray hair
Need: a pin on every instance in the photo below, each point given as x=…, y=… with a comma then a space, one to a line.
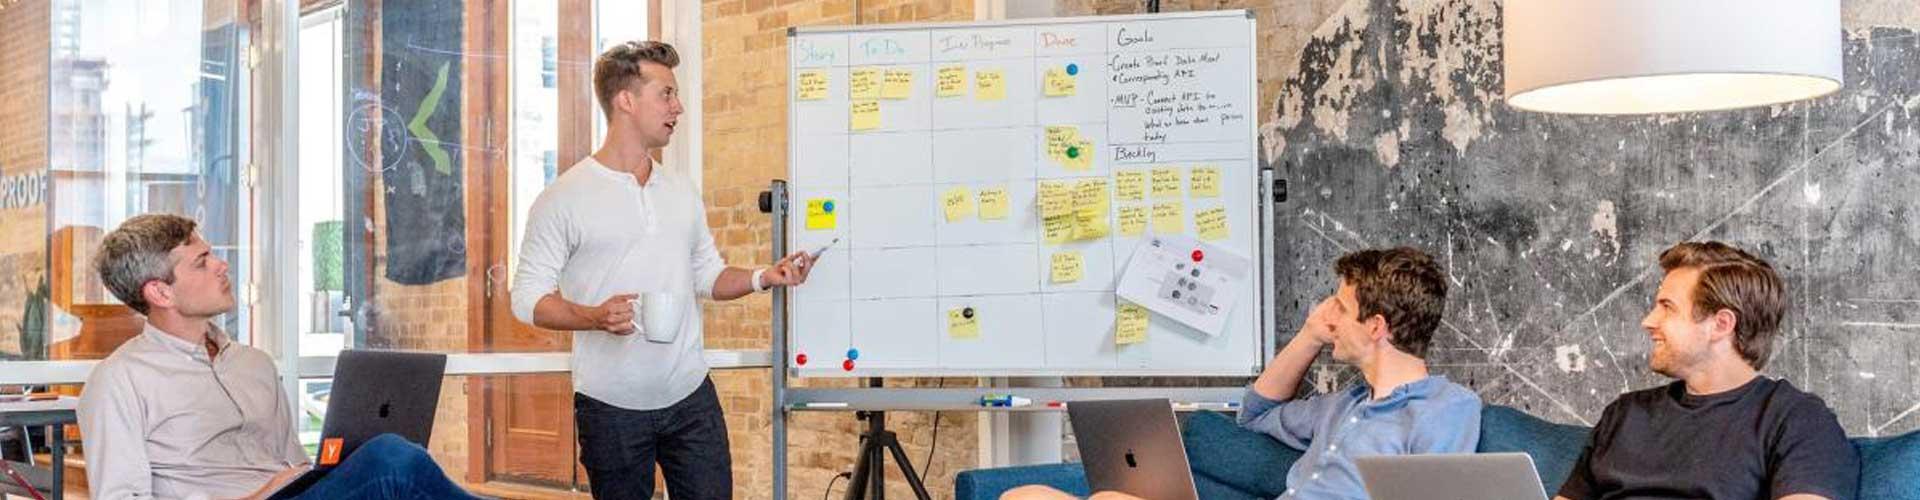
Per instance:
x=182, y=411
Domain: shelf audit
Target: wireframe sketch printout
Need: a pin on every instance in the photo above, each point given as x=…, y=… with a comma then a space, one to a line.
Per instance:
x=988, y=184
x=1194, y=283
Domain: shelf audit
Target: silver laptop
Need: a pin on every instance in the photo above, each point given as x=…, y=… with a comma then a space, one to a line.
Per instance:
x=1132, y=446
x=1465, y=476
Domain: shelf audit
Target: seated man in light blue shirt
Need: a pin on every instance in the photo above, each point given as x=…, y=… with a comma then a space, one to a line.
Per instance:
x=1381, y=320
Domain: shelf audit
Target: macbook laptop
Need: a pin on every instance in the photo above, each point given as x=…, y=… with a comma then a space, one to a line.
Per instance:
x=1133, y=447
x=1464, y=476
x=374, y=393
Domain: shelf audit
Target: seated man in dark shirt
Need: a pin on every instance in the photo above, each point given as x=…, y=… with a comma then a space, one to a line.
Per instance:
x=1721, y=431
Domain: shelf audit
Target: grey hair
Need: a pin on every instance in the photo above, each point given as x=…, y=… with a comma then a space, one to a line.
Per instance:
x=138, y=252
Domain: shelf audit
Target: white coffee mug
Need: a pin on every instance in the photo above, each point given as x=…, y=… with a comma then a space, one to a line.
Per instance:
x=657, y=315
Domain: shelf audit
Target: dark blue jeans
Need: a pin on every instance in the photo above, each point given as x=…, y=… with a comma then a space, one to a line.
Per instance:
x=387, y=467
x=619, y=447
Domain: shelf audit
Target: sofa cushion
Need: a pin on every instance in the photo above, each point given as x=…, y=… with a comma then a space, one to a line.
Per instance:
x=1244, y=461
x=988, y=484
x=1554, y=447
x=1889, y=466
x=1212, y=489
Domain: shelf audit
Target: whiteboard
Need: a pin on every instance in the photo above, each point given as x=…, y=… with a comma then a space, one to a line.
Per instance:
x=906, y=131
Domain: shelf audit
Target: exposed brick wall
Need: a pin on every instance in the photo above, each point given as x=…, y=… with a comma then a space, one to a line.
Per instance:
x=745, y=57
x=23, y=150
x=428, y=318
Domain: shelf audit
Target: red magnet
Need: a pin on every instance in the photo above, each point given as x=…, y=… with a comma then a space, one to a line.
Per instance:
x=1197, y=256
x=802, y=359
x=847, y=365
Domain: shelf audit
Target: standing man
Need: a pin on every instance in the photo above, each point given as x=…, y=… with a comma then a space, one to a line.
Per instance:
x=1720, y=430
x=614, y=227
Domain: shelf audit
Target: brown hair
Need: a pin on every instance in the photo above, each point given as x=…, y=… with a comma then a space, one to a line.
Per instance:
x=138, y=252
x=1734, y=280
x=1402, y=285
x=619, y=66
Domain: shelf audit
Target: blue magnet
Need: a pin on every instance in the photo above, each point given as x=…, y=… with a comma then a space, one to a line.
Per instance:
x=1073, y=69
x=853, y=354
x=828, y=206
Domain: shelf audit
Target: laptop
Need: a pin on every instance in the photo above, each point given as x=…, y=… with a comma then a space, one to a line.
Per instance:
x=374, y=393
x=1132, y=446
x=1464, y=476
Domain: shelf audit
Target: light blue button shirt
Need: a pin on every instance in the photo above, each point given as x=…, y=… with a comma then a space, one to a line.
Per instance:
x=1430, y=415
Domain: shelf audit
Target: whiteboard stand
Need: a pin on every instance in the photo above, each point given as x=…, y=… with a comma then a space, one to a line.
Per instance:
x=869, y=474
x=876, y=399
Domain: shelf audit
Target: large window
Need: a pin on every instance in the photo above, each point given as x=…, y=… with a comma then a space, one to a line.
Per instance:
x=141, y=119
x=424, y=129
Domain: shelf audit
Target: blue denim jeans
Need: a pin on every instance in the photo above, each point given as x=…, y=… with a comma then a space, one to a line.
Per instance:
x=387, y=467
x=619, y=447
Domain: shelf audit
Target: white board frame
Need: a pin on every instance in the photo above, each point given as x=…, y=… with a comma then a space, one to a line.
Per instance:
x=1263, y=251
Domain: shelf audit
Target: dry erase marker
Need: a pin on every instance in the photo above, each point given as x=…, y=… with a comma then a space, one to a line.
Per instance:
x=816, y=253
x=823, y=249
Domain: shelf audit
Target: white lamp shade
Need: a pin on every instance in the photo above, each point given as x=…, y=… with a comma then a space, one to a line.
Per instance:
x=1668, y=56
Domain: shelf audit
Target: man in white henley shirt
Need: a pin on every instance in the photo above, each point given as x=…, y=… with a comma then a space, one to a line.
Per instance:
x=607, y=230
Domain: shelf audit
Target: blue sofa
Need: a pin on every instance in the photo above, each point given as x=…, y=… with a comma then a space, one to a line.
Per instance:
x=1230, y=463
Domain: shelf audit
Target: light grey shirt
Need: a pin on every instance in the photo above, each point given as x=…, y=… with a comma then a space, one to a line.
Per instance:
x=161, y=419
x=595, y=233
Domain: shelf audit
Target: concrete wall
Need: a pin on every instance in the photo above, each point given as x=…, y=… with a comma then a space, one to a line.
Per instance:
x=1388, y=122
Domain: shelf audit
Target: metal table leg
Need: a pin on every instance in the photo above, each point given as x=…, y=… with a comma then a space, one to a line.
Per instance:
x=59, y=460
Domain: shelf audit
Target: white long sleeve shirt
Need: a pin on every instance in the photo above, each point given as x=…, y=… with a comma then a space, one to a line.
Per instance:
x=164, y=420
x=595, y=233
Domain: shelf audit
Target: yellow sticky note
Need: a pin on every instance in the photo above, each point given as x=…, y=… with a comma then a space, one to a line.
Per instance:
x=1206, y=182
x=1211, y=223
x=1079, y=154
x=1092, y=193
x=1067, y=267
x=958, y=203
x=1057, y=229
x=993, y=203
x=1130, y=185
x=1090, y=224
x=1130, y=324
x=1133, y=220
x=963, y=323
x=1066, y=148
x=864, y=83
x=812, y=85
x=950, y=82
x=1169, y=217
x=989, y=85
x=1058, y=138
x=898, y=84
x=1166, y=183
x=1058, y=83
x=1056, y=198
x=864, y=115
x=821, y=214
